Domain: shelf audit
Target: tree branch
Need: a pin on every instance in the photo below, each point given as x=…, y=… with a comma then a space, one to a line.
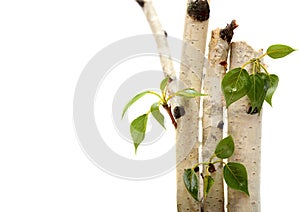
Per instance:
x=160, y=38
x=169, y=111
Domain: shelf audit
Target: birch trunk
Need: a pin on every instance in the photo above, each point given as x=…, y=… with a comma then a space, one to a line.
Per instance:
x=246, y=132
x=213, y=116
x=187, y=141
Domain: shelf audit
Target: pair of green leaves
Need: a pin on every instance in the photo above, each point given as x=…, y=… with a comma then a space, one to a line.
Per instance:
x=139, y=125
x=258, y=86
x=163, y=85
x=235, y=174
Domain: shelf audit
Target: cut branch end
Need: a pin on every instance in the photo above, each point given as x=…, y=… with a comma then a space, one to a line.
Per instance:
x=199, y=10
x=227, y=33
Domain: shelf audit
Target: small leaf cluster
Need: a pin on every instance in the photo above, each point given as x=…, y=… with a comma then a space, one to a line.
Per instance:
x=234, y=174
x=138, y=126
x=259, y=86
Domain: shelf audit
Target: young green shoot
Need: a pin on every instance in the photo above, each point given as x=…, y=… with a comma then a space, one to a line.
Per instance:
x=138, y=126
x=259, y=86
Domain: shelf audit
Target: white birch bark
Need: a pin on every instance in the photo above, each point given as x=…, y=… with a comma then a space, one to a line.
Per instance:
x=213, y=116
x=187, y=141
x=246, y=132
x=160, y=37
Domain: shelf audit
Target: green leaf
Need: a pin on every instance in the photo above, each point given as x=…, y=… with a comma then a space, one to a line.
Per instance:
x=133, y=100
x=208, y=183
x=266, y=78
x=157, y=114
x=279, y=51
x=225, y=148
x=138, y=130
x=164, y=83
x=191, y=182
x=235, y=175
x=258, y=91
x=274, y=80
x=235, y=84
x=189, y=93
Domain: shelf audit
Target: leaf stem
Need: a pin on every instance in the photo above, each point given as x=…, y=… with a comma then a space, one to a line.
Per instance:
x=170, y=97
x=253, y=68
x=262, y=56
x=254, y=60
x=201, y=163
x=218, y=161
x=264, y=68
x=247, y=63
x=164, y=100
x=156, y=94
x=149, y=111
x=212, y=157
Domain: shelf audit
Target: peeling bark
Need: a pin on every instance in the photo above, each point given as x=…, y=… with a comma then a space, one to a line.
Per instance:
x=246, y=131
x=187, y=141
x=213, y=115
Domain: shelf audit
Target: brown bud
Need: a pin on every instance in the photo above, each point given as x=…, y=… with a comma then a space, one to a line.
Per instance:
x=211, y=168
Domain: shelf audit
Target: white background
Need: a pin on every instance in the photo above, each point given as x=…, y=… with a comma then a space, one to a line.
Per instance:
x=44, y=46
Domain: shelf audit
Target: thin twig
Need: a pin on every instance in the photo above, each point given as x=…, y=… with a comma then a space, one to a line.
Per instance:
x=160, y=36
x=169, y=111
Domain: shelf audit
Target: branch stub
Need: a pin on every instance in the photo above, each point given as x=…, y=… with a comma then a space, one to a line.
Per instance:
x=199, y=10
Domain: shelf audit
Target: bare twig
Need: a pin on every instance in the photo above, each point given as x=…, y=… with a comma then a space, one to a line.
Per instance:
x=169, y=111
x=160, y=38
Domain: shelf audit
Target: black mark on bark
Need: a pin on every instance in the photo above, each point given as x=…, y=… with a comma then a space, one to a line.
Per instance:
x=141, y=3
x=166, y=34
x=221, y=125
x=252, y=111
x=178, y=112
x=199, y=10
